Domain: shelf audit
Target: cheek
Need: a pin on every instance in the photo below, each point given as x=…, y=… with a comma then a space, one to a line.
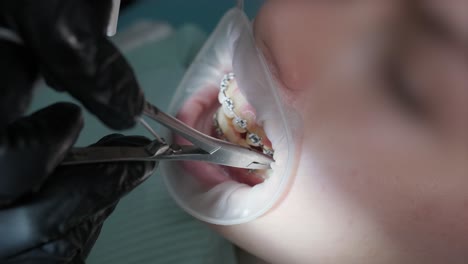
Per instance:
x=369, y=182
x=366, y=185
x=436, y=74
x=384, y=186
x=306, y=40
x=279, y=31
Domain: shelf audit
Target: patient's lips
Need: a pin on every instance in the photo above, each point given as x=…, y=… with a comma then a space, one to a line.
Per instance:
x=225, y=115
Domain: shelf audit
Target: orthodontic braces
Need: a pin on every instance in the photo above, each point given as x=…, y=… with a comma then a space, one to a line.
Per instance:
x=229, y=105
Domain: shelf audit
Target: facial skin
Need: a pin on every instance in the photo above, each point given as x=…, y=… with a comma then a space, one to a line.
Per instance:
x=382, y=175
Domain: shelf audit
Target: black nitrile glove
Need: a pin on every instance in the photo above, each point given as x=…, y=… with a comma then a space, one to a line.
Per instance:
x=50, y=214
x=64, y=40
x=60, y=222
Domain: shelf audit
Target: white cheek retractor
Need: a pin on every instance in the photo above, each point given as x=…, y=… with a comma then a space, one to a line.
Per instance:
x=231, y=49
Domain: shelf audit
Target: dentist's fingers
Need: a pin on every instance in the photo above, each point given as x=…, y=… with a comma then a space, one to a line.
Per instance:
x=67, y=39
x=17, y=75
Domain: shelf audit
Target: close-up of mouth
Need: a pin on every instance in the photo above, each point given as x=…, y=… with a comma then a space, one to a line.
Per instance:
x=224, y=113
x=228, y=93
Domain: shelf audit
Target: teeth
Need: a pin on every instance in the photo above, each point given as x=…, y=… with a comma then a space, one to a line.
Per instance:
x=235, y=120
x=224, y=85
x=229, y=104
x=240, y=125
x=268, y=151
x=254, y=139
x=221, y=97
x=228, y=107
x=228, y=131
x=218, y=130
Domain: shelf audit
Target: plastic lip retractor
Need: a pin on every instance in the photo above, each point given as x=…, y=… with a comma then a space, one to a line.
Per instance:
x=204, y=148
x=211, y=194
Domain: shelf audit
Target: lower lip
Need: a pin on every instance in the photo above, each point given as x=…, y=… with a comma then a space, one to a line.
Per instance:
x=197, y=112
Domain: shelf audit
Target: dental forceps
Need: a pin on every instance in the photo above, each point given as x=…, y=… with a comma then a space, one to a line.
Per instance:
x=204, y=148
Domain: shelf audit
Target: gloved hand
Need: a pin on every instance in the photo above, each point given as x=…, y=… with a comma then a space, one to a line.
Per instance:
x=60, y=222
x=49, y=215
x=65, y=41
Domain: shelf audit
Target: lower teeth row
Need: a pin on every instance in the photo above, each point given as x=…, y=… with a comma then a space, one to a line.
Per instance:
x=239, y=124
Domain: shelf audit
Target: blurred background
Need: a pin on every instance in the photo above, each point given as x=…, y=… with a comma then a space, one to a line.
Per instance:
x=204, y=13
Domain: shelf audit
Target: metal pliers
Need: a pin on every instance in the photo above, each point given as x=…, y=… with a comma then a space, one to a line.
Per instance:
x=204, y=148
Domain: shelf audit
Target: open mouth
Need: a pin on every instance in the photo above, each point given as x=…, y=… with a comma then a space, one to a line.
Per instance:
x=223, y=112
x=247, y=109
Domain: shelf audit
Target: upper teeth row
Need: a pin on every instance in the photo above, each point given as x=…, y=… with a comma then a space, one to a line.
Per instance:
x=239, y=123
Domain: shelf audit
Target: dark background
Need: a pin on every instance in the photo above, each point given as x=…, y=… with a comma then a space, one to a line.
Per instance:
x=205, y=13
